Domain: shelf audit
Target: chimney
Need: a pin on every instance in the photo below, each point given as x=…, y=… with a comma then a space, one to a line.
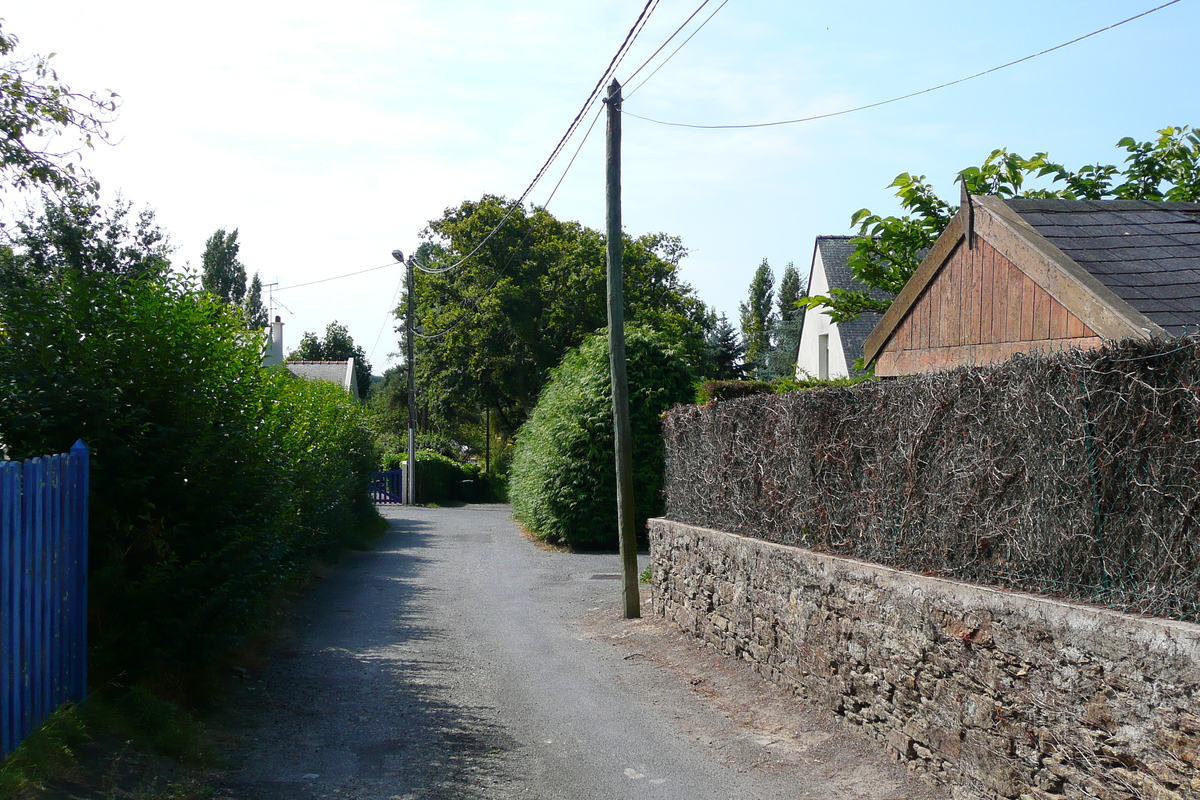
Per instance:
x=274, y=352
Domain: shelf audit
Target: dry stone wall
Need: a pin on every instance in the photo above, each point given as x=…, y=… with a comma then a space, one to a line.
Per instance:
x=1003, y=695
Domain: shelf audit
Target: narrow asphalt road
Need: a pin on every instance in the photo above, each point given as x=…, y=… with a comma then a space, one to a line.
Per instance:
x=459, y=660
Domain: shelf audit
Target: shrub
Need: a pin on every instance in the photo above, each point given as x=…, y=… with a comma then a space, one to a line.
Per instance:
x=214, y=481
x=563, y=481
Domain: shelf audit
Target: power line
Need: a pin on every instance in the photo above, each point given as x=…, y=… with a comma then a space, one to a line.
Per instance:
x=668, y=41
x=335, y=277
x=677, y=49
x=912, y=94
x=391, y=313
x=630, y=37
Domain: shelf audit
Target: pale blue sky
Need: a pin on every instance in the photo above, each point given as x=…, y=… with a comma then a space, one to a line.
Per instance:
x=329, y=136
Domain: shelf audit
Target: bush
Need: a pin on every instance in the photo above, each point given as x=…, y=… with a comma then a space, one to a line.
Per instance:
x=563, y=479
x=214, y=482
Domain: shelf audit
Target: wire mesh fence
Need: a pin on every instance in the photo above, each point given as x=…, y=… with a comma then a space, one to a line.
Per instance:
x=1075, y=475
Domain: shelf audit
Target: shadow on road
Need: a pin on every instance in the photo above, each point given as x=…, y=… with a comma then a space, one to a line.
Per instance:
x=352, y=707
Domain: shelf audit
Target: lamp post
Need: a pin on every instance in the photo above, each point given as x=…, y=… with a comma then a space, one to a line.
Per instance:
x=410, y=471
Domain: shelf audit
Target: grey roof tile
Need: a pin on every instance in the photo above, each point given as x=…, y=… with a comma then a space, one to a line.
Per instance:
x=1147, y=252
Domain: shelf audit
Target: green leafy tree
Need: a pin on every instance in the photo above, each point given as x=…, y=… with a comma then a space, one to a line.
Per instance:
x=888, y=249
x=222, y=273
x=37, y=111
x=562, y=482
x=387, y=408
x=758, y=319
x=76, y=234
x=252, y=305
x=494, y=326
x=337, y=345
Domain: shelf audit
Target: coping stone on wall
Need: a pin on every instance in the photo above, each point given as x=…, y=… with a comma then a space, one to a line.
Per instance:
x=1002, y=694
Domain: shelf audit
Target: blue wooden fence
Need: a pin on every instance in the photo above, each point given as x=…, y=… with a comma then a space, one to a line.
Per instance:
x=388, y=487
x=43, y=589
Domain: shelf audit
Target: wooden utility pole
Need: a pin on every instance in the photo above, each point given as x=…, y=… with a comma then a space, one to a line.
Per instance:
x=616, y=359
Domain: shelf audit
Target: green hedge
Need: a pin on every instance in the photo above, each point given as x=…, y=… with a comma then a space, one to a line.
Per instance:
x=215, y=482
x=562, y=483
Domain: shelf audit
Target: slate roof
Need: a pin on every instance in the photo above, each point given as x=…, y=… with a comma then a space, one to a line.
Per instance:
x=1147, y=252
x=835, y=255
x=339, y=372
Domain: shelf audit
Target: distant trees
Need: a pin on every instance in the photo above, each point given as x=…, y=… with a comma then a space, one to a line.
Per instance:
x=252, y=305
x=785, y=335
x=222, y=274
x=726, y=351
x=494, y=326
x=769, y=338
x=757, y=318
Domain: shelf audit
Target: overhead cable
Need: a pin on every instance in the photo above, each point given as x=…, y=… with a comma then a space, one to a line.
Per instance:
x=676, y=50
x=335, y=277
x=668, y=41
x=912, y=94
x=630, y=37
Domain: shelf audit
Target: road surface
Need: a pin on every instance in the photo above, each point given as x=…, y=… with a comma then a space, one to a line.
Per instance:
x=460, y=660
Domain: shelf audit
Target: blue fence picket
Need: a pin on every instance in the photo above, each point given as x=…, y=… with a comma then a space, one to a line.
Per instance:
x=43, y=589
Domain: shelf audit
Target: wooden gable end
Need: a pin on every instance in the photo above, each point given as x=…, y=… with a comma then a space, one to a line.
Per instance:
x=979, y=308
x=990, y=287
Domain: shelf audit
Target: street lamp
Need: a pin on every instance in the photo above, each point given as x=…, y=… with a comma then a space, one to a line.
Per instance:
x=410, y=472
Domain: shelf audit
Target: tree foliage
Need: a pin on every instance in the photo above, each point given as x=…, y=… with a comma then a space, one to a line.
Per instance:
x=214, y=481
x=785, y=333
x=562, y=483
x=725, y=351
x=338, y=345
x=888, y=249
x=76, y=234
x=494, y=326
x=37, y=111
x=222, y=273
x=757, y=318
x=252, y=305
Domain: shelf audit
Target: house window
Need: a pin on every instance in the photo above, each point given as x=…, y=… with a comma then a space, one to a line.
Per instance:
x=823, y=356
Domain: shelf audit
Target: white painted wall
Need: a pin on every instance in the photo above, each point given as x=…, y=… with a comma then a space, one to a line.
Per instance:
x=816, y=323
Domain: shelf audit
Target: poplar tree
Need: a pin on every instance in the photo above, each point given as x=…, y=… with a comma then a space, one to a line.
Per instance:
x=252, y=306
x=223, y=275
x=757, y=318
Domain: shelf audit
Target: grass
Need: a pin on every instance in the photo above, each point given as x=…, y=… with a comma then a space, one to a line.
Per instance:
x=99, y=740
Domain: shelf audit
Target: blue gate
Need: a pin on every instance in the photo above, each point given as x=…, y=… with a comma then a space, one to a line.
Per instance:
x=43, y=589
x=388, y=487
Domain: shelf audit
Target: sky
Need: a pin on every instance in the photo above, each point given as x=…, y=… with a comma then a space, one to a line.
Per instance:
x=330, y=134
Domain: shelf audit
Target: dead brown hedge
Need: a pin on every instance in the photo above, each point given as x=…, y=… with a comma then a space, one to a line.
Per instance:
x=1075, y=475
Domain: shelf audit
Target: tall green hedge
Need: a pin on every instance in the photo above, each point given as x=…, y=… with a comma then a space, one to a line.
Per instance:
x=562, y=483
x=214, y=481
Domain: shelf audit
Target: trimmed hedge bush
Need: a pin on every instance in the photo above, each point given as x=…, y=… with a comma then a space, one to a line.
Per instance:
x=562, y=483
x=215, y=482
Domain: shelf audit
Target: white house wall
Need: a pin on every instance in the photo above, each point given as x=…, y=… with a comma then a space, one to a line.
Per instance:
x=816, y=324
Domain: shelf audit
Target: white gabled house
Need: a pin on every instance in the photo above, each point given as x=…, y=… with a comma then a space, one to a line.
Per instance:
x=827, y=349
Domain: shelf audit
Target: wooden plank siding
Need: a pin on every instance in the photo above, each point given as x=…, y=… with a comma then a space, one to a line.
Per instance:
x=979, y=307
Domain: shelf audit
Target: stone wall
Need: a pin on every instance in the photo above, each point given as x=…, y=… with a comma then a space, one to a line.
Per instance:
x=1001, y=694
